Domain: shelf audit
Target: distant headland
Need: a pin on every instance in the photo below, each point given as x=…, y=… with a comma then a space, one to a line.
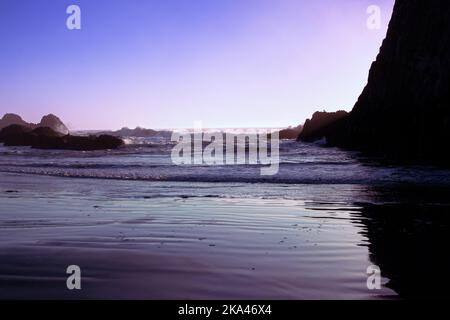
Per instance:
x=50, y=133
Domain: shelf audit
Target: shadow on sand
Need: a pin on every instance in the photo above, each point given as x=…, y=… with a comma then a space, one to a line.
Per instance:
x=408, y=230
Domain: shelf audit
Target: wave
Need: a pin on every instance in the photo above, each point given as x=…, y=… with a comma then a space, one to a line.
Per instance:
x=380, y=178
x=299, y=164
x=123, y=166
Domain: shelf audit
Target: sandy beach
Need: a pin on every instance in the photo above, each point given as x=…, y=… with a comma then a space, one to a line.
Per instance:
x=132, y=242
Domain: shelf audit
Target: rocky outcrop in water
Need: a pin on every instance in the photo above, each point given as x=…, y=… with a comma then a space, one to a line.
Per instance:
x=320, y=125
x=53, y=122
x=10, y=119
x=404, y=111
x=47, y=138
x=50, y=121
x=16, y=135
x=290, y=133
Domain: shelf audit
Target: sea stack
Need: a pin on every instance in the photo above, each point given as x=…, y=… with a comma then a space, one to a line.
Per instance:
x=321, y=124
x=53, y=122
x=404, y=111
x=11, y=118
x=51, y=133
x=49, y=121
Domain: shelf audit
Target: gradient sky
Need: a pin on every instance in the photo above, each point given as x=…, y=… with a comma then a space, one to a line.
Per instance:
x=168, y=63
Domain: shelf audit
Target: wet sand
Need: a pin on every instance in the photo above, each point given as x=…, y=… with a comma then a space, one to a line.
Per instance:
x=133, y=240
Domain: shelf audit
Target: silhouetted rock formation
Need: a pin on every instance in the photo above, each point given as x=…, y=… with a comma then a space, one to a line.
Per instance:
x=80, y=143
x=320, y=125
x=404, y=111
x=16, y=135
x=46, y=132
x=290, y=133
x=53, y=122
x=47, y=138
x=50, y=121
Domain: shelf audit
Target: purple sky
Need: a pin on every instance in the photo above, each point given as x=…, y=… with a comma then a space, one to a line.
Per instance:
x=166, y=64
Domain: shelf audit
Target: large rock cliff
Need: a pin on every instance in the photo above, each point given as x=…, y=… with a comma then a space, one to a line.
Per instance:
x=404, y=111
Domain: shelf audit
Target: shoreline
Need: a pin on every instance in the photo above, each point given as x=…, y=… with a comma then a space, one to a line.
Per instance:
x=175, y=248
x=167, y=240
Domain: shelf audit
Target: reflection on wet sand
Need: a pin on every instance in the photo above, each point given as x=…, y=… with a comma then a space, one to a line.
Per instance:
x=407, y=230
x=166, y=240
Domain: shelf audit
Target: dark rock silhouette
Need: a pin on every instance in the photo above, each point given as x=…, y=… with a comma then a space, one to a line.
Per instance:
x=80, y=143
x=320, y=125
x=407, y=233
x=290, y=133
x=49, y=120
x=43, y=136
x=16, y=135
x=46, y=132
x=404, y=111
x=47, y=138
